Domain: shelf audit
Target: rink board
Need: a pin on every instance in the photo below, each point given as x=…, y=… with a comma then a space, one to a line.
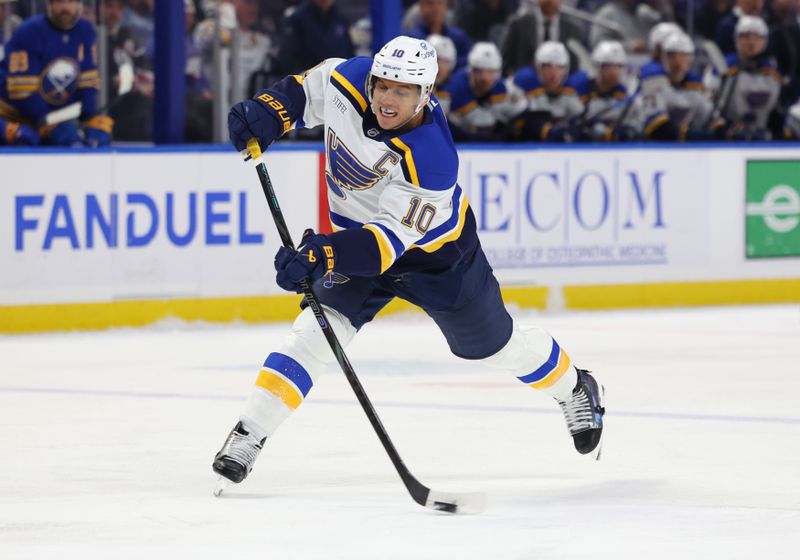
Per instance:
x=131, y=236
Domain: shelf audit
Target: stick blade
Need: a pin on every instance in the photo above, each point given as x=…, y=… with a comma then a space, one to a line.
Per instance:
x=469, y=503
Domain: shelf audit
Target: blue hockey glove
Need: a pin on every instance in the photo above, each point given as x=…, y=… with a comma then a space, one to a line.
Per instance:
x=97, y=131
x=248, y=119
x=560, y=133
x=313, y=259
x=15, y=134
x=64, y=134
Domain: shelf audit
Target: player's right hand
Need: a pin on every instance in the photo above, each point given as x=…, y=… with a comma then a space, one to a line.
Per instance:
x=248, y=119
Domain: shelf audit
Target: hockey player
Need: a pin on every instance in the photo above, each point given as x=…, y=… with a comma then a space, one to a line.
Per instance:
x=791, y=127
x=403, y=228
x=752, y=85
x=675, y=105
x=551, y=105
x=445, y=57
x=604, y=97
x=51, y=62
x=476, y=102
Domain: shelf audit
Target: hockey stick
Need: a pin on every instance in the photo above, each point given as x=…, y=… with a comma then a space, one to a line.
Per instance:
x=424, y=496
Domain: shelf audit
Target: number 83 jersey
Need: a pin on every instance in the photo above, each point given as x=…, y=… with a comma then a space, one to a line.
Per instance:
x=401, y=187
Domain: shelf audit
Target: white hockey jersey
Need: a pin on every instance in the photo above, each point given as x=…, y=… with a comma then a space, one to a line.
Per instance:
x=401, y=187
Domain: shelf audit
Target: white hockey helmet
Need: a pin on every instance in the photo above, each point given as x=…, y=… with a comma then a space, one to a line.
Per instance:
x=609, y=52
x=407, y=60
x=679, y=43
x=445, y=47
x=485, y=56
x=551, y=52
x=751, y=24
x=659, y=34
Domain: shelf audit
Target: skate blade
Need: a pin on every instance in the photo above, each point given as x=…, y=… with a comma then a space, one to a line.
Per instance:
x=599, y=449
x=222, y=484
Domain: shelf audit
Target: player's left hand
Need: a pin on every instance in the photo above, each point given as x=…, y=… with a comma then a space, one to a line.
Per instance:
x=97, y=131
x=313, y=259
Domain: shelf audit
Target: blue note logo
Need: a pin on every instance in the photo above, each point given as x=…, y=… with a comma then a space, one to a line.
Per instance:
x=345, y=171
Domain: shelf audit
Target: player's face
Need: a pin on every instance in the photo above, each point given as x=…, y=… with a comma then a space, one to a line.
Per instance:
x=111, y=12
x=394, y=102
x=750, y=45
x=677, y=65
x=64, y=12
x=433, y=12
x=552, y=76
x=482, y=80
x=610, y=74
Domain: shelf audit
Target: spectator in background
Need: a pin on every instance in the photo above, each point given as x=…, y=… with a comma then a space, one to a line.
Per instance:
x=476, y=101
x=315, y=31
x=50, y=63
x=14, y=20
x=551, y=106
x=445, y=57
x=631, y=21
x=791, y=129
x=121, y=46
x=707, y=16
x=433, y=13
x=606, y=116
x=240, y=16
x=138, y=17
x=724, y=34
x=754, y=84
x=526, y=32
x=484, y=20
x=785, y=45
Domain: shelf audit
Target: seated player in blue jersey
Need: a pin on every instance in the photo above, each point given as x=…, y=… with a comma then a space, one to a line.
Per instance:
x=607, y=111
x=445, y=58
x=403, y=228
x=675, y=105
x=551, y=105
x=51, y=62
x=476, y=101
x=751, y=87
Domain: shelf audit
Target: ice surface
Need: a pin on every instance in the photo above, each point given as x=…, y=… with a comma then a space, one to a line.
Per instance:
x=107, y=439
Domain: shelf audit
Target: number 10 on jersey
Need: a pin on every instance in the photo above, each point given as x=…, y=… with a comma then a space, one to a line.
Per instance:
x=417, y=217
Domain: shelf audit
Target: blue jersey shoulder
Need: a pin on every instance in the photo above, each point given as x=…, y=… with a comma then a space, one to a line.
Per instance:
x=430, y=160
x=651, y=69
x=581, y=82
x=350, y=77
x=527, y=79
x=459, y=90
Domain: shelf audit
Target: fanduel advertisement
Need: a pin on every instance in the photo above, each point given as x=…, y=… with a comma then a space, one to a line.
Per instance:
x=111, y=226
x=555, y=209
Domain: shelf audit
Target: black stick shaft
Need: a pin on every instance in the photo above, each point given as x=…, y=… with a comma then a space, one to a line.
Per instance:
x=418, y=491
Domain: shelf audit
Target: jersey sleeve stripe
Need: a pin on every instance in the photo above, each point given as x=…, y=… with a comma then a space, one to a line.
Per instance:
x=350, y=90
x=449, y=230
x=343, y=222
x=384, y=246
x=407, y=162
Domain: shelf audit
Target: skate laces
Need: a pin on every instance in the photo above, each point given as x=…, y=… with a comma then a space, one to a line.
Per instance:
x=242, y=448
x=578, y=412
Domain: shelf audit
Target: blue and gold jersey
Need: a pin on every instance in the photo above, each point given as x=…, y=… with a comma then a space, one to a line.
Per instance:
x=399, y=191
x=47, y=68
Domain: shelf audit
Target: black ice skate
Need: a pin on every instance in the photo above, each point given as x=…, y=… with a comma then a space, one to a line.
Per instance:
x=584, y=414
x=235, y=460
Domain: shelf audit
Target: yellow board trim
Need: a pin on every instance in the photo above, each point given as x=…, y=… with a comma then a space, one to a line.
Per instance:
x=279, y=387
x=671, y=294
x=94, y=316
x=551, y=378
x=350, y=88
x=18, y=319
x=383, y=246
x=409, y=157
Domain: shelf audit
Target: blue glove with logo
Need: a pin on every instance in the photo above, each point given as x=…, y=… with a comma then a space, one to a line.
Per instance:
x=250, y=119
x=65, y=134
x=97, y=131
x=15, y=134
x=312, y=260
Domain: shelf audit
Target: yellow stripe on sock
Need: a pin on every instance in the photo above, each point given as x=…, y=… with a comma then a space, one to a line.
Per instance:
x=279, y=387
x=551, y=378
